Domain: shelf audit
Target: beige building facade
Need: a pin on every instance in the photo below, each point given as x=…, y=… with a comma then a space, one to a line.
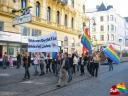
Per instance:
x=65, y=17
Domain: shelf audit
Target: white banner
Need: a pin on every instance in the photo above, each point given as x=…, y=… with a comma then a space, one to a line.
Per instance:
x=47, y=43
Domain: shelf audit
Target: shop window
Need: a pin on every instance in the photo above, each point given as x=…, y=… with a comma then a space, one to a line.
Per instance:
x=10, y=51
x=1, y=26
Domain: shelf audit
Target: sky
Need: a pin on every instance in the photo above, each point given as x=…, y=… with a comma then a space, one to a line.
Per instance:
x=121, y=6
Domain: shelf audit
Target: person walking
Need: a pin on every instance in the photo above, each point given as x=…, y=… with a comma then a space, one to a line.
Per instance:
x=42, y=64
x=36, y=63
x=26, y=65
x=48, y=64
x=75, y=63
x=10, y=62
x=110, y=64
x=90, y=66
x=96, y=58
x=18, y=60
x=69, y=68
x=5, y=60
x=82, y=64
x=63, y=76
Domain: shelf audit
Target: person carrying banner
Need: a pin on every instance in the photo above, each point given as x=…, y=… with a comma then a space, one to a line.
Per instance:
x=42, y=63
x=36, y=63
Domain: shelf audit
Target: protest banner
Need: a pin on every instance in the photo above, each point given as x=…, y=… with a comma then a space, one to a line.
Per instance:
x=46, y=43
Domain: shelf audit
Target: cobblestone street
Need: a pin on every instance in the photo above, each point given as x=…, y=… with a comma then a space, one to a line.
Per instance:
x=11, y=83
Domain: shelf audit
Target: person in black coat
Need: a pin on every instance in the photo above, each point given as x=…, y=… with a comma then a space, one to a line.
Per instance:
x=110, y=64
x=26, y=65
x=82, y=64
x=90, y=65
x=18, y=60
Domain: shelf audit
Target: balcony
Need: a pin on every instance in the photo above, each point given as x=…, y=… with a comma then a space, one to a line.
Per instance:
x=41, y=22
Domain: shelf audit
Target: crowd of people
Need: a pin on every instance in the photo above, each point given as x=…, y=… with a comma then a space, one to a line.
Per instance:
x=62, y=65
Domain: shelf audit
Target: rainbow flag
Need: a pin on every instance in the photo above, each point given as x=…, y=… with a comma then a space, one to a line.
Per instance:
x=110, y=52
x=86, y=41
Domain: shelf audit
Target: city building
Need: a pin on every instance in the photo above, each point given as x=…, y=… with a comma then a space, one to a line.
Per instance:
x=65, y=17
x=107, y=27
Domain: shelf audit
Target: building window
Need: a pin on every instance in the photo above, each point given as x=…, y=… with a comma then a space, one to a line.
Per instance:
x=25, y=31
x=37, y=9
x=101, y=28
x=102, y=37
x=108, y=18
x=83, y=8
x=65, y=21
x=58, y=17
x=94, y=37
x=112, y=27
x=108, y=37
x=120, y=40
x=115, y=28
x=23, y=3
x=111, y=18
x=49, y=14
x=108, y=28
x=36, y=32
x=112, y=37
x=1, y=26
x=101, y=18
x=72, y=23
x=126, y=42
x=72, y=3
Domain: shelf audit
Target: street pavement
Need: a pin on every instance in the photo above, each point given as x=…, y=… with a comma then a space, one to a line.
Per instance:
x=11, y=83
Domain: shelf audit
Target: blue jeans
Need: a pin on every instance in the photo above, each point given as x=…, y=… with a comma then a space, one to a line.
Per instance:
x=69, y=74
x=36, y=68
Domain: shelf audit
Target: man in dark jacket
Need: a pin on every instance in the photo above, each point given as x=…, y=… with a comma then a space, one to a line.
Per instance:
x=70, y=68
x=18, y=60
x=26, y=65
x=110, y=64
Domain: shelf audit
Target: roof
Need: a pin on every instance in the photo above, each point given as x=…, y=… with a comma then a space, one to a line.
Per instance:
x=102, y=7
